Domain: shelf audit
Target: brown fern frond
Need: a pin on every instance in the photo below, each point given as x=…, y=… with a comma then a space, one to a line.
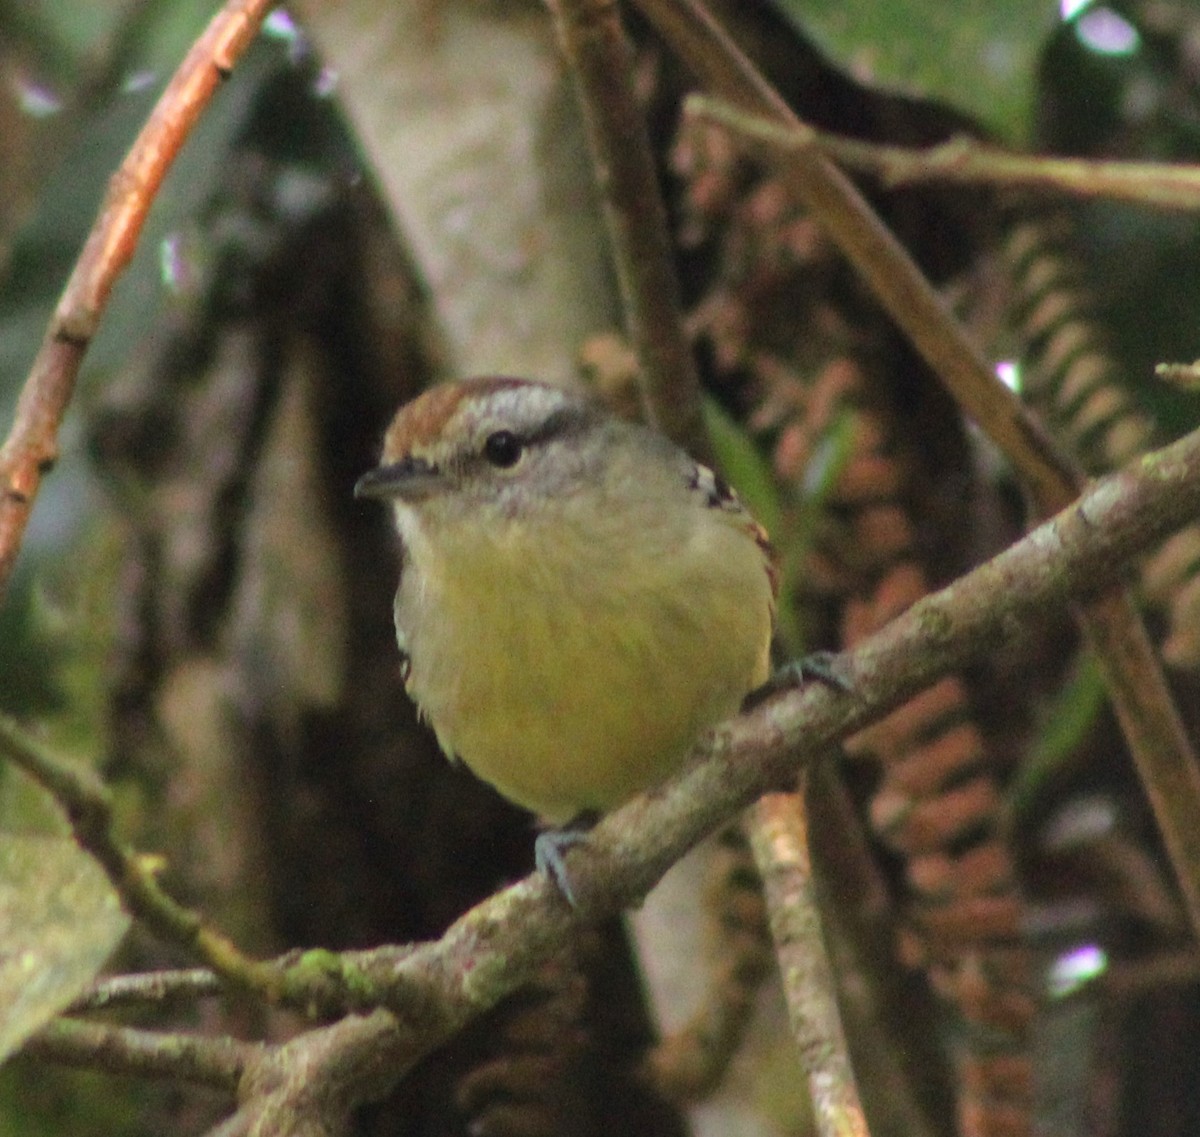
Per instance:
x=1072, y=377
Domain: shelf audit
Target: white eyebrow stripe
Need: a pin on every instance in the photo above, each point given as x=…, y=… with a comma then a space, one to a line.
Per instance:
x=522, y=407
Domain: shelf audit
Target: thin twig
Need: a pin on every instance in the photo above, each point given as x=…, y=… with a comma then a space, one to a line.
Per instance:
x=1183, y=375
x=1136, y=685
x=317, y=982
x=32, y=444
x=149, y=988
x=88, y=806
x=217, y=1062
x=780, y=839
x=602, y=63
x=968, y=161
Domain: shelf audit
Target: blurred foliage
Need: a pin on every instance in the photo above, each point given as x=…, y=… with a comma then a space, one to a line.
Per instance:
x=979, y=56
x=748, y=471
x=788, y=521
x=50, y=1103
x=750, y=474
x=62, y=921
x=62, y=38
x=48, y=669
x=1067, y=721
x=110, y=43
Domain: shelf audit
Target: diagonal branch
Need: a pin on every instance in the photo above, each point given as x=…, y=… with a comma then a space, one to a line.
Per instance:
x=32, y=444
x=1133, y=676
x=602, y=64
x=497, y=946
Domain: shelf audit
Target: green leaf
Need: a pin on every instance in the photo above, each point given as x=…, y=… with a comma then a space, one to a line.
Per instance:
x=977, y=55
x=747, y=470
x=59, y=921
x=750, y=474
x=1065, y=726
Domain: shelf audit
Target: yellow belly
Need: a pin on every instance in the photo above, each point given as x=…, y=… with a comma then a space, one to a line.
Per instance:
x=575, y=685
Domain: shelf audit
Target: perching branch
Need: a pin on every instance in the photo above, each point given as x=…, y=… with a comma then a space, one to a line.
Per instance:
x=495, y=948
x=1132, y=673
x=32, y=444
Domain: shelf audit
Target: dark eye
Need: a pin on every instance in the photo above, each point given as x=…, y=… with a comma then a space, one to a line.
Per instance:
x=502, y=449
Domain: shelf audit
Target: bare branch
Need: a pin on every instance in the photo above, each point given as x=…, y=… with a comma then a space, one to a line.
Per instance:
x=1133, y=675
x=780, y=837
x=968, y=161
x=147, y=988
x=216, y=1062
x=32, y=444
x=602, y=63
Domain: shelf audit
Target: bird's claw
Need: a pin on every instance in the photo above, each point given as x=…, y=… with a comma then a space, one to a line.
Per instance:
x=820, y=666
x=551, y=846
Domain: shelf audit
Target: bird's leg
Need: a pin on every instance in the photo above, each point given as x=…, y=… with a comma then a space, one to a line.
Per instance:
x=552, y=845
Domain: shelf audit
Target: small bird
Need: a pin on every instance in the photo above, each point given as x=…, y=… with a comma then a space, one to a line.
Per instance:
x=578, y=598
